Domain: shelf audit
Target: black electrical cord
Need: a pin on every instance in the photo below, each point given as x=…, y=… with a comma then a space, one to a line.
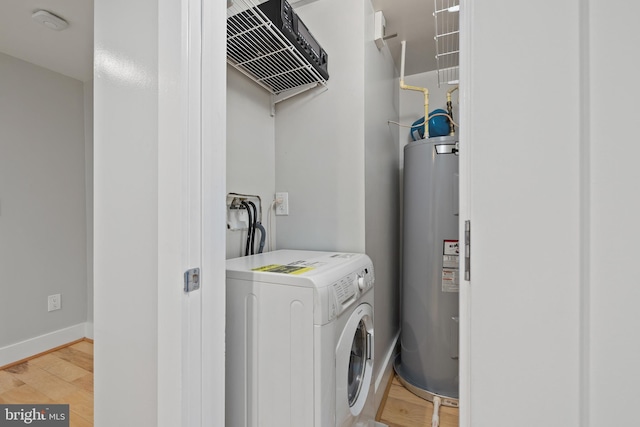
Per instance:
x=249, y=228
x=255, y=221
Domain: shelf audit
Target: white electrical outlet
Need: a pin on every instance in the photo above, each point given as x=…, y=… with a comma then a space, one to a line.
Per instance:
x=54, y=302
x=282, y=203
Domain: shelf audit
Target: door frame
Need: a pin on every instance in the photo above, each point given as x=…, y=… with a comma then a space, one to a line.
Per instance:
x=213, y=198
x=466, y=7
x=195, y=89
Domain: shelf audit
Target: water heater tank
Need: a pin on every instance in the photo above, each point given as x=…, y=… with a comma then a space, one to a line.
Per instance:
x=428, y=361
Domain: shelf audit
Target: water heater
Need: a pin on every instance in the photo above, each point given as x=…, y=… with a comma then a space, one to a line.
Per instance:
x=428, y=361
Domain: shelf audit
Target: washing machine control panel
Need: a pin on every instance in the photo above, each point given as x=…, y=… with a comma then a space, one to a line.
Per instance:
x=349, y=288
x=344, y=289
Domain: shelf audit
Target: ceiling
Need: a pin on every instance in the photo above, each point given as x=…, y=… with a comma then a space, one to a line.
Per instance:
x=70, y=52
x=413, y=21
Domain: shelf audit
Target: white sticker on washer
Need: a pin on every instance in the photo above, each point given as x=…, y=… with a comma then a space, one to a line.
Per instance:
x=284, y=269
x=305, y=263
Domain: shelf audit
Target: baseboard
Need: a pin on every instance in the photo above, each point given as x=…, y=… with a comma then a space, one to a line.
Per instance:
x=28, y=348
x=386, y=373
x=88, y=330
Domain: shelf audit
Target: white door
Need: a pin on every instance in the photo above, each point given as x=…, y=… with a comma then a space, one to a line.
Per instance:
x=549, y=175
x=521, y=189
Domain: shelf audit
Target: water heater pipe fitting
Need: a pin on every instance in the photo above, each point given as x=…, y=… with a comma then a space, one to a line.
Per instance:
x=452, y=129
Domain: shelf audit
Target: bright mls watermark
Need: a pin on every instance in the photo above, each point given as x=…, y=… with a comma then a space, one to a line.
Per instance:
x=34, y=415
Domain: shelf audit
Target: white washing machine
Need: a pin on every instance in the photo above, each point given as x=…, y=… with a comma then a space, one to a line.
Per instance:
x=299, y=340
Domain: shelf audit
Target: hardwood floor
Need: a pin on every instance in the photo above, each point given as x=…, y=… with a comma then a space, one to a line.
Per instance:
x=404, y=409
x=62, y=376
x=66, y=376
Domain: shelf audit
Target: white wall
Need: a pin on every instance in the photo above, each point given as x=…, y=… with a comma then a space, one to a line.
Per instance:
x=320, y=140
x=382, y=198
x=126, y=213
x=250, y=149
x=42, y=201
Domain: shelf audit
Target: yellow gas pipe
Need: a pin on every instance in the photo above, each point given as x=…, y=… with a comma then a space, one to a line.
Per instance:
x=416, y=88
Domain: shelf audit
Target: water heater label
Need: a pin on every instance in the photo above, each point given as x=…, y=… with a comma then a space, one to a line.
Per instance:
x=451, y=247
x=450, y=266
x=450, y=261
x=450, y=281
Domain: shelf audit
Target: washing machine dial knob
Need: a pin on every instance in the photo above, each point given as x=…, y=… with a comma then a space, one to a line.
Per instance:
x=361, y=284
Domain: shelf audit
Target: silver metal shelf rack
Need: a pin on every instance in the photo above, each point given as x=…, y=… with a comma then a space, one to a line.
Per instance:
x=258, y=49
x=447, y=13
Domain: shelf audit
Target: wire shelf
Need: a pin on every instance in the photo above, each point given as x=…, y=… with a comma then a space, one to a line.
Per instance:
x=257, y=48
x=447, y=14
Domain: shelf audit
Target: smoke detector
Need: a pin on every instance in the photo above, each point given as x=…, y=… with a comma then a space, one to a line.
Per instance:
x=50, y=20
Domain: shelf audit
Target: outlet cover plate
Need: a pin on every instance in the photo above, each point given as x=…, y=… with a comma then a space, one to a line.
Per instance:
x=282, y=203
x=54, y=302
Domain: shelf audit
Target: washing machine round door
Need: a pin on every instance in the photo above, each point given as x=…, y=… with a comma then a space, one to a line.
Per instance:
x=354, y=364
x=357, y=362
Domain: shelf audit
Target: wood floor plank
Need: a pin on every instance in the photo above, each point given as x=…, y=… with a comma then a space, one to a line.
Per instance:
x=44, y=361
x=82, y=403
x=77, y=357
x=85, y=383
x=46, y=383
x=401, y=413
x=24, y=394
x=66, y=370
x=84, y=346
x=8, y=382
x=76, y=420
x=405, y=409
